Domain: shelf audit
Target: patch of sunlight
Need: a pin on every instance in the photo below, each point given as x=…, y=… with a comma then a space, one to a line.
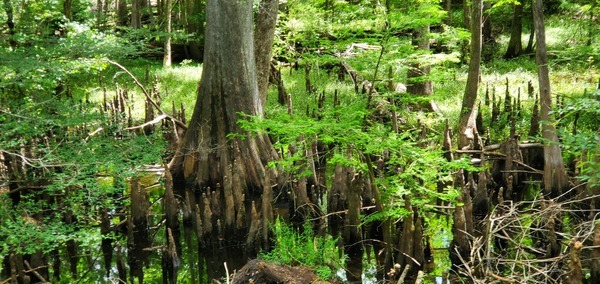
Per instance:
x=178, y=86
x=448, y=94
x=561, y=33
x=295, y=24
x=570, y=83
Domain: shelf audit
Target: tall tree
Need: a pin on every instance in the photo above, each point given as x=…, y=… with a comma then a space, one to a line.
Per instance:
x=167, y=20
x=555, y=175
x=122, y=18
x=263, y=43
x=99, y=13
x=67, y=11
x=10, y=22
x=136, y=15
x=448, y=8
x=216, y=154
x=515, y=46
x=467, y=13
x=416, y=84
x=468, y=112
x=194, y=25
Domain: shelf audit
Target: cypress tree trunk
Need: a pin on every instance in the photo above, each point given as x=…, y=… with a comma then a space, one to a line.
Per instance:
x=515, y=46
x=136, y=21
x=416, y=85
x=167, y=50
x=263, y=43
x=468, y=113
x=10, y=23
x=67, y=11
x=122, y=13
x=229, y=169
x=555, y=176
x=467, y=14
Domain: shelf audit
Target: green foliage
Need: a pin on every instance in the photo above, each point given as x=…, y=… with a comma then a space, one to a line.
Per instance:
x=75, y=172
x=69, y=63
x=355, y=140
x=584, y=111
x=293, y=248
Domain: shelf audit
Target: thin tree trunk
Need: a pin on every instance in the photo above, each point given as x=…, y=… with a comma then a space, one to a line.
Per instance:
x=530, y=42
x=487, y=32
x=68, y=12
x=167, y=16
x=468, y=113
x=416, y=85
x=263, y=43
x=595, y=254
x=467, y=13
x=99, y=13
x=555, y=176
x=10, y=23
x=122, y=18
x=515, y=46
x=448, y=7
x=136, y=14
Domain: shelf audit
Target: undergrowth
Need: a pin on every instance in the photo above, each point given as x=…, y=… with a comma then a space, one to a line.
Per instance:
x=320, y=253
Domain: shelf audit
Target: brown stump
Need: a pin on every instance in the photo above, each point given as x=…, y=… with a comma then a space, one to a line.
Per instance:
x=258, y=271
x=138, y=236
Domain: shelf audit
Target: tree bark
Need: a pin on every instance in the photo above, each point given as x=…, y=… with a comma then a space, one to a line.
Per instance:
x=467, y=14
x=122, y=13
x=99, y=13
x=515, y=46
x=68, y=12
x=136, y=15
x=555, y=176
x=448, y=8
x=595, y=254
x=10, y=22
x=234, y=166
x=468, y=113
x=530, y=41
x=263, y=44
x=487, y=32
x=416, y=85
x=167, y=18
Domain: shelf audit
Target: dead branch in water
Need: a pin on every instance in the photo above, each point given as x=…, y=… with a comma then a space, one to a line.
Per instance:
x=511, y=226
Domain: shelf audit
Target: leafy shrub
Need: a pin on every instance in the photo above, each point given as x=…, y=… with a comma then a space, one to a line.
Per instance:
x=304, y=248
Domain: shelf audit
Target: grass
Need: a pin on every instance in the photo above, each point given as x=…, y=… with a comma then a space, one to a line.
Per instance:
x=177, y=85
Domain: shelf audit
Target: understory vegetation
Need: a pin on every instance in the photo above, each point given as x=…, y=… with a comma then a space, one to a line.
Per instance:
x=369, y=174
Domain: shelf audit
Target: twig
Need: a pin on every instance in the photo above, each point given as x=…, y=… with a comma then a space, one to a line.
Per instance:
x=521, y=146
x=8, y=280
x=420, y=276
x=403, y=275
x=154, y=121
x=34, y=271
x=500, y=278
x=95, y=132
x=226, y=271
